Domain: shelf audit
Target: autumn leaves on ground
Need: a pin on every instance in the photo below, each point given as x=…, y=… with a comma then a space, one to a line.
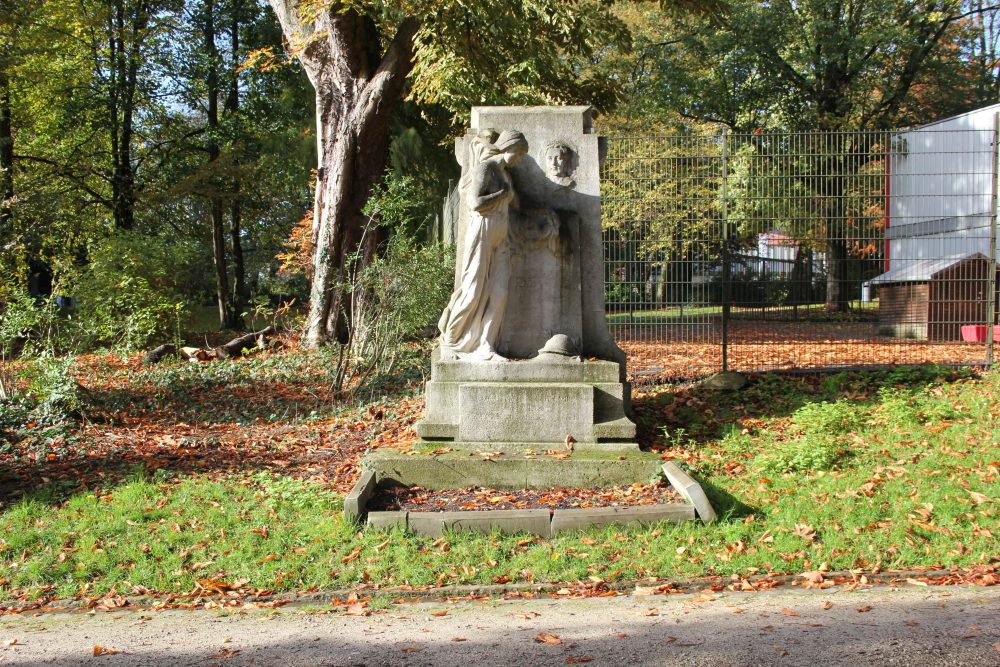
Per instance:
x=203, y=482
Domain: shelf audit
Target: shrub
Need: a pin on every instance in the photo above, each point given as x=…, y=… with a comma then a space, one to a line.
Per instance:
x=133, y=290
x=27, y=324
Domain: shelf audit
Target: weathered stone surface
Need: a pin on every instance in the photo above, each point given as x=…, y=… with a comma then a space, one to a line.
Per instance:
x=385, y=520
x=727, y=381
x=579, y=519
x=458, y=469
x=562, y=292
x=425, y=523
x=354, y=503
x=685, y=485
x=507, y=402
x=512, y=411
x=534, y=521
x=535, y=370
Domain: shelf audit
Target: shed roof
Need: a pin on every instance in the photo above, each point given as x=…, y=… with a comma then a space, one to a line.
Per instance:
x=922, y=270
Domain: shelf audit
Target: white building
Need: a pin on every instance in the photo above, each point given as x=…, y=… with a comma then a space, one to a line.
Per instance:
x=940, y=189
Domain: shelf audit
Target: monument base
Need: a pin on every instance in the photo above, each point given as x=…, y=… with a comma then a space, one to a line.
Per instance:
x=546, y=401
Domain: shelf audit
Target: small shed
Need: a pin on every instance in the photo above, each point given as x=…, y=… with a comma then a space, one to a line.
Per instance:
x=933, y=299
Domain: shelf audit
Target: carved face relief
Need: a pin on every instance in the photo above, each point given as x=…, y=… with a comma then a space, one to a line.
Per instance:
x=560, y=163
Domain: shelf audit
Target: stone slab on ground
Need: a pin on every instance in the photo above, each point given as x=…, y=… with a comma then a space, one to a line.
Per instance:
x=690, y=489
x=579, y=519
x=355, y=501
x=459, y=469
x=542, y=522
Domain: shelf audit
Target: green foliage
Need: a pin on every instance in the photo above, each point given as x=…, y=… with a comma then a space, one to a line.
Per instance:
x=809, y=453
x=821, y=63
x=133, y=291
x=837, y=418
x=27, y=325
x=42, y=410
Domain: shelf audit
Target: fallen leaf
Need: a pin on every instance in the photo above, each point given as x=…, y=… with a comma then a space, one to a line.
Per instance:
x=102, y=650
x=788, y=612
x=358, y=609
x=443, y=612
x=827, y=604
x=527, y=614
x=225, y=653
x=915, y=582
x=9, y=642
x=867, y=607
x=459, y=639
x=767, y=628
x=547, y=638
x=578, y=659
x=412, y=649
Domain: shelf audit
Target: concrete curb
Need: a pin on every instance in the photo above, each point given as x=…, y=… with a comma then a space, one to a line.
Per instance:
x=455, y=592
x=542, y=522
x=357, y=499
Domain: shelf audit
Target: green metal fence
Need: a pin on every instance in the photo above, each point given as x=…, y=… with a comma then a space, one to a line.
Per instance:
x=798, y=251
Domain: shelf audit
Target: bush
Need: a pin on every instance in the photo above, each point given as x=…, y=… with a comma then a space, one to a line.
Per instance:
x=396, y=298
x=27, y=324
x=44, y=408
x=134, y=291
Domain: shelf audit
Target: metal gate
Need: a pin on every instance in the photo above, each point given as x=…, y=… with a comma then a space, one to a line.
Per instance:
x=812, y=250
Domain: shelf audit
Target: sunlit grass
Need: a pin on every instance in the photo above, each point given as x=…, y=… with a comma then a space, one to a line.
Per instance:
x=912, y=482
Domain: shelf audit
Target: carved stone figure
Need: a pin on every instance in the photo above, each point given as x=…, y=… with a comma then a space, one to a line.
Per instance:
x=471, y=323
x=560, y=163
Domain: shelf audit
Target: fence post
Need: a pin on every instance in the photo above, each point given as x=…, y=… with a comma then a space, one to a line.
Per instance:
x=726, y=268
x=992, y=278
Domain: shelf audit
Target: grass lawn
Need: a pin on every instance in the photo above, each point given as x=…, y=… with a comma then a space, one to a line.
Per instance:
x=192, y=478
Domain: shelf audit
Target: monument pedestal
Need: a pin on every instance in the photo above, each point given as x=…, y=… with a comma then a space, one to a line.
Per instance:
x=528, y=404
x=556, y=414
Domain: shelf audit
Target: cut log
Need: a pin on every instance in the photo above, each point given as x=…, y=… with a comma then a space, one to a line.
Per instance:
x=156, y=355
x=235, y=347
x=195, y=354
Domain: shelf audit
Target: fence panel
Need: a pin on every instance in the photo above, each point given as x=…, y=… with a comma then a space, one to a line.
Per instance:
x=813, y=250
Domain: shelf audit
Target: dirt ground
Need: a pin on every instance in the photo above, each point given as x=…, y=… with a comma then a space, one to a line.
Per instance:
x=913, y=625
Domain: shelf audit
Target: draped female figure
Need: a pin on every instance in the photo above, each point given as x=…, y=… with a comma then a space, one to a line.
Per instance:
x=470, y=325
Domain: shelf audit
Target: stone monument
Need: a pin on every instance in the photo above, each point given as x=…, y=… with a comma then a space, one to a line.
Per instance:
x=525, y=356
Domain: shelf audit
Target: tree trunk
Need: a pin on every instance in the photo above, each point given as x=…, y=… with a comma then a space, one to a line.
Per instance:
x=125, y=45
x=226, y=315
x=241, y=294
x=6, y=159
x=837, y=299
x=357, y=91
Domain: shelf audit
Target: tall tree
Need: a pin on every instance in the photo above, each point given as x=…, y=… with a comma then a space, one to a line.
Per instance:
x=359, y=56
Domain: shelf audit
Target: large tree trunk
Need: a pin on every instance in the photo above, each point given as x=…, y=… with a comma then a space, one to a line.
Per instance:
x=357, y=90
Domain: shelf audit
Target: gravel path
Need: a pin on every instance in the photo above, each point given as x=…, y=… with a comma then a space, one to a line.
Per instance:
x=879, y=626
